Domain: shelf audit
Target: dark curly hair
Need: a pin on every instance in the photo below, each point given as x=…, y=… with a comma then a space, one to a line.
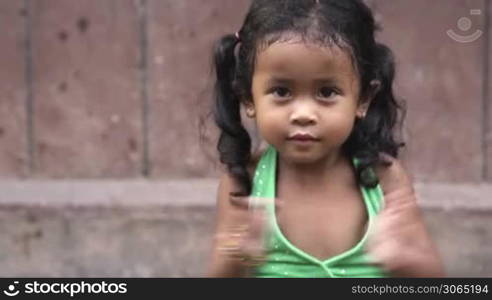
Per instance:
x=348, y=24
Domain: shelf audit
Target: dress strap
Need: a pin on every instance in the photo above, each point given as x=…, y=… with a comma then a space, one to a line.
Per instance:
x=373, y=196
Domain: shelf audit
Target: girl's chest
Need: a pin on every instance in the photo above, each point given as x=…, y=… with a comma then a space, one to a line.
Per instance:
x=323, y=226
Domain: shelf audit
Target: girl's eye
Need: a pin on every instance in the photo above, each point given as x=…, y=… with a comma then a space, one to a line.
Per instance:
x=326, y=92
x=281, y=92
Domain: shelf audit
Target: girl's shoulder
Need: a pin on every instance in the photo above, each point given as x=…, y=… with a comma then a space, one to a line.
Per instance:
x=392, y=174
x=255, y=159
x=227, y=184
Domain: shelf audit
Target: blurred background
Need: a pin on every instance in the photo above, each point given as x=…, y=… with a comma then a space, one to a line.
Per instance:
x=102, y=172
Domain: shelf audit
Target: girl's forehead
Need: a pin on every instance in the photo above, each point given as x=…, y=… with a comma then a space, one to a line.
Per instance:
x=298, y=56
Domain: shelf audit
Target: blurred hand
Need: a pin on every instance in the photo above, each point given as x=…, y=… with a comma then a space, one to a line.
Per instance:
x=243, y=241
x=399, y=240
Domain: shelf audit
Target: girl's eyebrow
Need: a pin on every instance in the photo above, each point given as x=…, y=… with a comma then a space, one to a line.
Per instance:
x=283, y=80
x=279, y=80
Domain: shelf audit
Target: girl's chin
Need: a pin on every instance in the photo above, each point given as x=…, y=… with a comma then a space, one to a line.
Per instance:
x=298, y=157
x=303, y=154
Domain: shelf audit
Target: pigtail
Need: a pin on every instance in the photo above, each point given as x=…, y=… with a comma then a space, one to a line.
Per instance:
x=375, y=133
x=385, y=101
x=234, y=143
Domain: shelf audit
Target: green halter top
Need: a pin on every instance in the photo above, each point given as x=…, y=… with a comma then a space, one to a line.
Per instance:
x=283, y=259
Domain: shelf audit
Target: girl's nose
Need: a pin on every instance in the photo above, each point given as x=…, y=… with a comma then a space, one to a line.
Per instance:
x=303, y=115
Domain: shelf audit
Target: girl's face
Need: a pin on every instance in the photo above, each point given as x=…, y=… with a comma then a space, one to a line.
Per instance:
x=305, y=99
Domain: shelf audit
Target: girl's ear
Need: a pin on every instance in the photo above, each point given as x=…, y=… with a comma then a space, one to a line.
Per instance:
x=250, y=109
x=374, y=87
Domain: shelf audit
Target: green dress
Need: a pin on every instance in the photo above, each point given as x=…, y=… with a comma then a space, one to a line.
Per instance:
x=283, y=259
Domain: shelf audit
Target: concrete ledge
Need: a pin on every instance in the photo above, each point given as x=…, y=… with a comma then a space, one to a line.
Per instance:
x=198, y=192
x=164, y=229
x=108, y=193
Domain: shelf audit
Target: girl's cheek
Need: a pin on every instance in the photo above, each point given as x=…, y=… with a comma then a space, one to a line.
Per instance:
x=268, y=128
x=338, y=130
x=272, y=128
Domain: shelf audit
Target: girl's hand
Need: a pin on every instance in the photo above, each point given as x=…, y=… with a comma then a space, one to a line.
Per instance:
x=399, y=240
x=239, y=232
x=242, y=242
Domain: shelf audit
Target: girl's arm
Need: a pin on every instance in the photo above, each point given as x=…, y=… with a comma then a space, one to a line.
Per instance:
x=400, y=241
x=238, y=238
x=221, y=265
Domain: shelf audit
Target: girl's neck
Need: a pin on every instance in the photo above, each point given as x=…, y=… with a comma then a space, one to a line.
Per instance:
x=310, y=177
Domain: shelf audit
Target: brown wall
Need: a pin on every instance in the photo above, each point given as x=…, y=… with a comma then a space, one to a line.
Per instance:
x=115, y=88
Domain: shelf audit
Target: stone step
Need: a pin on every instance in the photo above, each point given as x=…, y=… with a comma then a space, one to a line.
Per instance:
x=164, y=228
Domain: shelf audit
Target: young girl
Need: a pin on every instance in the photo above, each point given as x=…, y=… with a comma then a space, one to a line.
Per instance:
x=327, y=197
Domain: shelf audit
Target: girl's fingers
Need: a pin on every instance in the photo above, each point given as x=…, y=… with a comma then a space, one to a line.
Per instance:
x=385, y=254
x=253, y=242
x=257, y=228
x=406, y=229
x=252, y=203
x=249, y=231
x=239, y=201
x=244, y=242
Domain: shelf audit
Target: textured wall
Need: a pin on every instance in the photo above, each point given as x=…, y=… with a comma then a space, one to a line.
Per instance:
x=13, y=92
x=87, y=111
x=98, y=89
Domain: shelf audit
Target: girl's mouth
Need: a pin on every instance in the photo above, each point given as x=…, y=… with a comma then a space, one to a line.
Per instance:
x=303, y=137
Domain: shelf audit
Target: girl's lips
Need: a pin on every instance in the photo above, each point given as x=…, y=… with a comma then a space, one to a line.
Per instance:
x=303, y=137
